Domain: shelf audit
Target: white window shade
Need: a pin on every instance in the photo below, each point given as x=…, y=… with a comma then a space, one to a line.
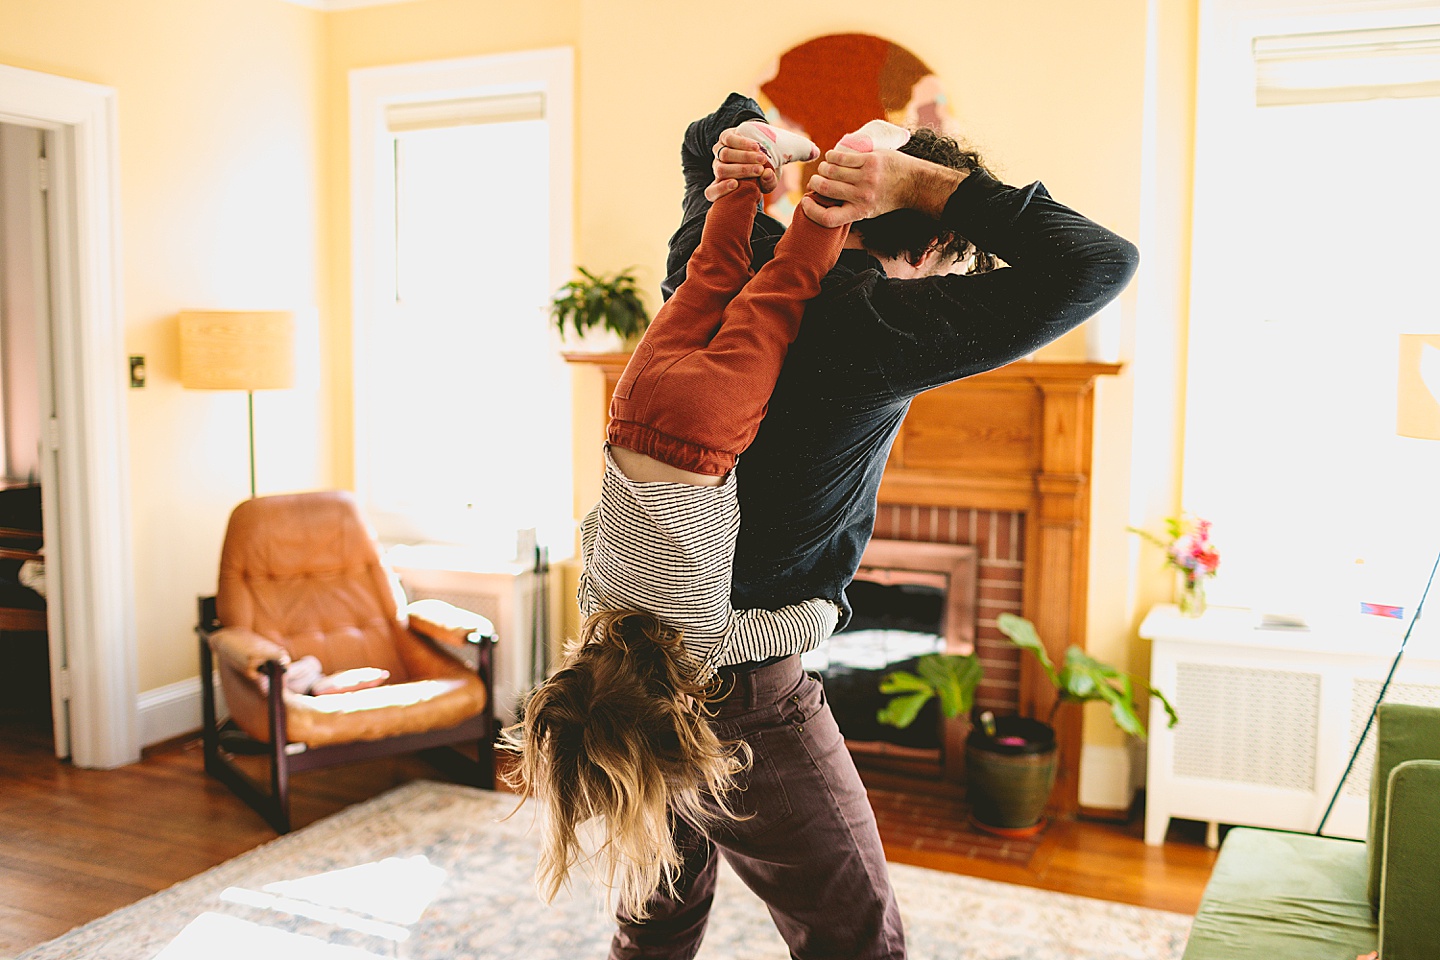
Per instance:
x=429, y=115
x=1371, y=64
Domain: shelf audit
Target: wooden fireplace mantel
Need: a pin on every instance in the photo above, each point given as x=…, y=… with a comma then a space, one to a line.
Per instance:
x=1016, y=438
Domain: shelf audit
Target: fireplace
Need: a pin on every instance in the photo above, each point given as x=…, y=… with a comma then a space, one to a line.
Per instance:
x=909, y=599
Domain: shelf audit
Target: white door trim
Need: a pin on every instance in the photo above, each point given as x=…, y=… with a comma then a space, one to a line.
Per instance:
x=89, y=549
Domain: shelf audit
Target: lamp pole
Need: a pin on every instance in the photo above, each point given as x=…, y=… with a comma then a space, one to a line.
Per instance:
x=250, y=404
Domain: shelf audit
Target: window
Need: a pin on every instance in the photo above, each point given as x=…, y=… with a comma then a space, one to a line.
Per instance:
x=1314, y=250
x=463, y=212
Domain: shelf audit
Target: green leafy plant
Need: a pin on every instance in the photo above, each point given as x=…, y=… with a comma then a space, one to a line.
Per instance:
x=950, y=677
x=609, y=302
x=954, y=678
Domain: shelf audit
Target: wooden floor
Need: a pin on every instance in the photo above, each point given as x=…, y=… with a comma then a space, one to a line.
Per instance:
x=76, y=844
x=1085, y=857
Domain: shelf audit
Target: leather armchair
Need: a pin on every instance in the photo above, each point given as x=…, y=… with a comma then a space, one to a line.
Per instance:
x=301, y=576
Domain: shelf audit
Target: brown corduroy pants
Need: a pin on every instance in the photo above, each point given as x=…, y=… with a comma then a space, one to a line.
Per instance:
x=699, y=383
x=810, y=848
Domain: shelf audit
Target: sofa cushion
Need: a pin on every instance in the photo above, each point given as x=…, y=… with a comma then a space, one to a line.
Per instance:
x=1284, y=896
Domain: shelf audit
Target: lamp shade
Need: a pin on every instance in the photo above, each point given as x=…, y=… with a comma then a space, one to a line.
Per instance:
x=1418, y=409
x=237, y=349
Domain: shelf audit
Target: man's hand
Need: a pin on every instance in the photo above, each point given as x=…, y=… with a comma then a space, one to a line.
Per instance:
x=738, y=158
x=869, y=184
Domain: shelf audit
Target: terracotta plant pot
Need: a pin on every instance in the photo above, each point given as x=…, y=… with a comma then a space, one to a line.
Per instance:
x=1009, y=775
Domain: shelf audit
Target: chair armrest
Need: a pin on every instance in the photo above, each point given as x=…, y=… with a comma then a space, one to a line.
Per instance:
x=246, y=651
x=446, y=623
x=1410, y=878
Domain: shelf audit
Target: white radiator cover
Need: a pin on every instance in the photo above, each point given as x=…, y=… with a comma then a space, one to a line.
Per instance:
x=1269, y=718
x=1246, y=725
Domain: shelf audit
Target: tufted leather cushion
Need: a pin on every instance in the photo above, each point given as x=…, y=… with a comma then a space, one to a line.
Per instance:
x=304, y=571
x=302, y=574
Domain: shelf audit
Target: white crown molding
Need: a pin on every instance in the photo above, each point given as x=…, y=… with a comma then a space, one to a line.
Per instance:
x=332, y=6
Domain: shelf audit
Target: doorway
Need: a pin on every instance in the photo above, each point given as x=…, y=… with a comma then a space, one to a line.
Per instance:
x=83, y=468
x=33, y=706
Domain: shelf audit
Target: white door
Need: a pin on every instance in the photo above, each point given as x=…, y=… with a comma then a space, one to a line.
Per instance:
x=26, y=372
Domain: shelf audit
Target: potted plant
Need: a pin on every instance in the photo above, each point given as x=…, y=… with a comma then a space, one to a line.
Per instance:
x=1010, y=761
x=599, y=301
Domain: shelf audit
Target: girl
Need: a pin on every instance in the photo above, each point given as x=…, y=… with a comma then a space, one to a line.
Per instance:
x=619, y=734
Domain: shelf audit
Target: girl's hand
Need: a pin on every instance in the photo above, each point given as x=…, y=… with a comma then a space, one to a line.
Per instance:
x=738, y=158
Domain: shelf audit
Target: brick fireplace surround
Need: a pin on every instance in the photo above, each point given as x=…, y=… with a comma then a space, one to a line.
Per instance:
x=999, y=461
x=998, y=537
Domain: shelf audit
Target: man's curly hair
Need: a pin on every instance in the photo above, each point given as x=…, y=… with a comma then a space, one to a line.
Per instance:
x=910, y=232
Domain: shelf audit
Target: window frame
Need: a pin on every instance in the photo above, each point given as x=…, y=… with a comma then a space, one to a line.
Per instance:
x=374, y=91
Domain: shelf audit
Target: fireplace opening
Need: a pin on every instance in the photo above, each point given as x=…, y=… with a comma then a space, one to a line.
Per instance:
x=909, y=599
x=894, y=625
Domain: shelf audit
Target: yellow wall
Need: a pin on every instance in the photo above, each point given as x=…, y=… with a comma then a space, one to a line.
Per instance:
x=1054, y=94
x=220, y=120
x=1138, y=437
x=235, y=192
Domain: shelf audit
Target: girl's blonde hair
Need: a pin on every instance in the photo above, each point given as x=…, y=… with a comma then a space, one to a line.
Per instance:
x=619, y=735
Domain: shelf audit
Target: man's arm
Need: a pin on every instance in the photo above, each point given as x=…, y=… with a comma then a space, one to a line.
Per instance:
x=1061, y=268
x=869, y=184
x=697, y=160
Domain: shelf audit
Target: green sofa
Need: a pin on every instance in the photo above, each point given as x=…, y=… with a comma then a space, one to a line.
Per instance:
x=1289, y=896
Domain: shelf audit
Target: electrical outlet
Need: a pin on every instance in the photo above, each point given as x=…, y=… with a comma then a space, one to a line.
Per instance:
x=137, y=372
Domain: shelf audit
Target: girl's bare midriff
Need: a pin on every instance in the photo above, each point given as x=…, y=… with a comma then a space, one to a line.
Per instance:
x=643, y=469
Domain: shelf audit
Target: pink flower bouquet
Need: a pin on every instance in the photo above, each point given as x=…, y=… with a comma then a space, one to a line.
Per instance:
x=1190, y=551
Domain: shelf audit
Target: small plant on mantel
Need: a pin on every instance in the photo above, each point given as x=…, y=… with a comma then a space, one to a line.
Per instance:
x=1010, y=761
x=609, y=302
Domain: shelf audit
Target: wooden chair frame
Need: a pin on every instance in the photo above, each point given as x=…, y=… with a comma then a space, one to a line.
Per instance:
x=436, y=746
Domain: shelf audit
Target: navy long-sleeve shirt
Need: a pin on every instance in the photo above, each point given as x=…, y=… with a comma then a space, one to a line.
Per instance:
x=868, y=345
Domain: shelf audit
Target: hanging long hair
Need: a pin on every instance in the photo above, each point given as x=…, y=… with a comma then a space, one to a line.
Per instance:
x=619, y=735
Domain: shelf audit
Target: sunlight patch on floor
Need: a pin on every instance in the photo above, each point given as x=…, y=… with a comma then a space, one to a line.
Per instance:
x=378, y=899
x=214, y=936
x=397, y=889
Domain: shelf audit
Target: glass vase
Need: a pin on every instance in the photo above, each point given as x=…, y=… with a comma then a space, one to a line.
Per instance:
x=1190, y=595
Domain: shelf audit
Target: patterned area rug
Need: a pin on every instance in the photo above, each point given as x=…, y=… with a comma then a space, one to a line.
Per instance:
x=427, y=871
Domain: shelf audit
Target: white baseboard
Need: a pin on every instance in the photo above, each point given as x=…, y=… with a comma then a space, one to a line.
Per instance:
x=1106, y=778
x=173, y=710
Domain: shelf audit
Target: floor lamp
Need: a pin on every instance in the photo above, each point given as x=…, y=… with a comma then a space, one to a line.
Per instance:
x=238, y=350
x=1417, y=415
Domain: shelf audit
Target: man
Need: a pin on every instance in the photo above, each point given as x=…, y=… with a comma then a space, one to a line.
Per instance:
x=892, y=320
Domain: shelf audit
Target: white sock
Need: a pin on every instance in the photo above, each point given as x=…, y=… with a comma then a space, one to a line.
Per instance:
x=781, y=146
x=875, y=135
